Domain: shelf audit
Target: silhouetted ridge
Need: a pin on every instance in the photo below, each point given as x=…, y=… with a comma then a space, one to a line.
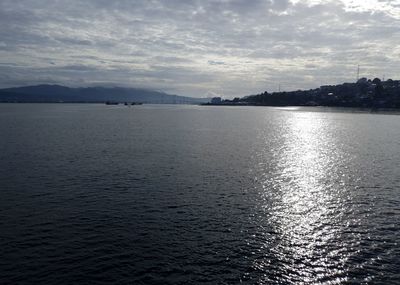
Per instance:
x=363, y=93
x=58, y=93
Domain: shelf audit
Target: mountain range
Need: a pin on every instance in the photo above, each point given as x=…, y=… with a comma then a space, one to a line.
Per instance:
x=58, y=93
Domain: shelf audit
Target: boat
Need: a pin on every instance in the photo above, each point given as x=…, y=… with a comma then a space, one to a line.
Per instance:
x=111, y=103
x=132, y=103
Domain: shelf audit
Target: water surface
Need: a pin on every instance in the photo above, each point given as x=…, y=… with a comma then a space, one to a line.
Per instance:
x=198, y=195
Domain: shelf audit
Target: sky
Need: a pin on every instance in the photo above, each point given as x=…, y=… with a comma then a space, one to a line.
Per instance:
x=198, y=48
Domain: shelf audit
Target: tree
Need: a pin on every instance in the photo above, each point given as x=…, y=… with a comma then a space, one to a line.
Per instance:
x=376, y=81
x=362, y=80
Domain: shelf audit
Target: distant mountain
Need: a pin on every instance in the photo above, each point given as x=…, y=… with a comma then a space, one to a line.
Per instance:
x=57, y=93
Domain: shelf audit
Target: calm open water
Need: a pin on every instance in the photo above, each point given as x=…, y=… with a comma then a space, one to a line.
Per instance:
x=96, y=194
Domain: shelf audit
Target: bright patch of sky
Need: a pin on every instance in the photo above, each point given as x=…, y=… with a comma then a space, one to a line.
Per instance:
x=391, y=7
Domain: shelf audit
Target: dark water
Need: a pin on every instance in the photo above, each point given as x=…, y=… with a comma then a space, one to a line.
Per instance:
x=95, y=194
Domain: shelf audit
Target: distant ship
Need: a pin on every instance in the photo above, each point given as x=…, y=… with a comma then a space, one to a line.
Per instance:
x=126, y=103
x=132, y=103
x=111, y=103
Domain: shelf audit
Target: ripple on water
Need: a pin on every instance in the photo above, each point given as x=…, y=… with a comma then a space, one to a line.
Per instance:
x=189, y=195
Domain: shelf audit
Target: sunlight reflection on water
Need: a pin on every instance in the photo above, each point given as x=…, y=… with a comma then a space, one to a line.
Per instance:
x=304, y=201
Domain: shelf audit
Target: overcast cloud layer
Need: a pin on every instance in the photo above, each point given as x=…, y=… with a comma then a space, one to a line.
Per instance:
x=198, y=48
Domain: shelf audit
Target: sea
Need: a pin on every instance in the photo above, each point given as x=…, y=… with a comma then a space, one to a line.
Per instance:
x=180, y=194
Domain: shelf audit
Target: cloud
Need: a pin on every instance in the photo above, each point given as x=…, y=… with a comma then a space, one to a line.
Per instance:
x=193, y=47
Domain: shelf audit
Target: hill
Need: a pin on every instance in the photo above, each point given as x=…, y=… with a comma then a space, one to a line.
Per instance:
x=365, y=93
x=58, y=93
